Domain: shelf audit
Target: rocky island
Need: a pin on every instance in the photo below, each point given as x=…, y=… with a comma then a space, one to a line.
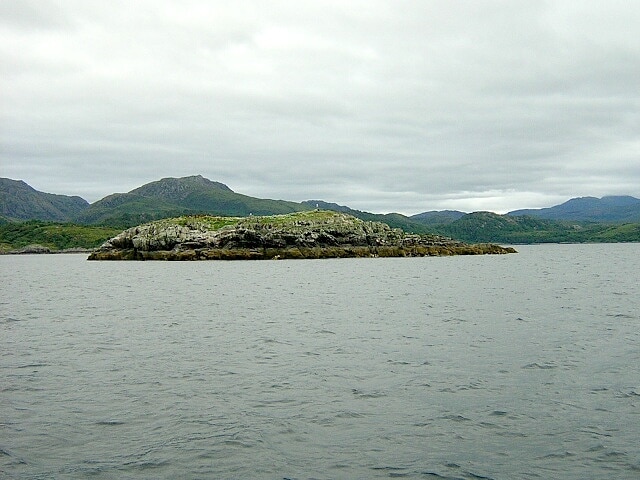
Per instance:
x=308, y=234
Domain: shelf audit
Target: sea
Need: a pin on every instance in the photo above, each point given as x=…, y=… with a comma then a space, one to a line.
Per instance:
x=520, y=366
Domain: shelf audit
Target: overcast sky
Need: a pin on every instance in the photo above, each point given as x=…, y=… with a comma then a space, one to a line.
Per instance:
x=403, y=106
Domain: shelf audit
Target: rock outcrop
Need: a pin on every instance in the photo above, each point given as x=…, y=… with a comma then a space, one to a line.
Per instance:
x=310, y=234
x=31, y=249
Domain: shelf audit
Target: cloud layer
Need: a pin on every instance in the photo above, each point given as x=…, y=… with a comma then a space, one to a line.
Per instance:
x=385, y=106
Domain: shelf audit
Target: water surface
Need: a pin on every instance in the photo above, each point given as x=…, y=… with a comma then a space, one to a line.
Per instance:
x=502, y=367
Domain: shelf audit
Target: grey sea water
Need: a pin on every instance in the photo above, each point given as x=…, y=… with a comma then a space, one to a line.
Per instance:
x=521, y=366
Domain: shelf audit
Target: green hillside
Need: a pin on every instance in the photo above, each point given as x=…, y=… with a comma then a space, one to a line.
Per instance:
x=56, y=236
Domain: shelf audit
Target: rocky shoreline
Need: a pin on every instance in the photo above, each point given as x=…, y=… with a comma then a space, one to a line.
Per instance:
x=316, y=234
x=37, y=249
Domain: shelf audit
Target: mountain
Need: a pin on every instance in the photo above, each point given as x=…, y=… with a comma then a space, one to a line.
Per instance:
x=170, y=197
x=19, y=201
x=590, y=209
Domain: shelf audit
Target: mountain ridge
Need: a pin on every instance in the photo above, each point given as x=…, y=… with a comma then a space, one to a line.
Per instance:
x=195, y=192
x=173, y=197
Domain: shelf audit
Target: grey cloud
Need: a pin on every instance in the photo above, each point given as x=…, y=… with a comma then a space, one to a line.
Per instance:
x=32, y=15
x=384, y=106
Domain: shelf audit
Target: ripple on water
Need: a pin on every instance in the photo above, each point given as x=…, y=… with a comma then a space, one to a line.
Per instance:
x=158, y=370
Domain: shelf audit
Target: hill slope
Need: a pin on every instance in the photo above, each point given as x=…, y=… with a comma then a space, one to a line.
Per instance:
x=19, y=201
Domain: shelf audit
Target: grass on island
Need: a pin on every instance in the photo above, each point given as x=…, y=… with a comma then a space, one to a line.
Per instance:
x=289, y=220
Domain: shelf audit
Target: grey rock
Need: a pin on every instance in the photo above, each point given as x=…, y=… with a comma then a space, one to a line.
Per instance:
x=31, y=249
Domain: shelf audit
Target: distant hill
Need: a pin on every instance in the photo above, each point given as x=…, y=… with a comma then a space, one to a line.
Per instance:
x=171, y=197
x=586, y=219
x=491, y=227
x=479, y=226
x=435, y=217
x=590, y=209
x=19, y=201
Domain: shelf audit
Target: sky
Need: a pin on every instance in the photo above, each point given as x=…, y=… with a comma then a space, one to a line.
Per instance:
x=382, y=105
